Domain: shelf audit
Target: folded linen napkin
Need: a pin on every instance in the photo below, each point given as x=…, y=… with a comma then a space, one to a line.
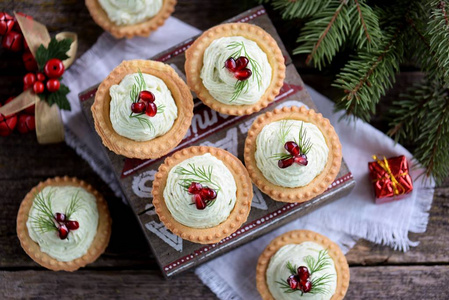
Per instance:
x=345, y=220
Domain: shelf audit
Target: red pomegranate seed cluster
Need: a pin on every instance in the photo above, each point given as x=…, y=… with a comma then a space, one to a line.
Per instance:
x=64, y=225
x=201, y=195
x=301, y=280
x=145, y=103
x=238, y=67
x=296, y=156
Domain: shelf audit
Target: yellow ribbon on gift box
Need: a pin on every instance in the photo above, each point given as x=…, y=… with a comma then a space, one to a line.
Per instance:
x=394, y=182
x=49, y=127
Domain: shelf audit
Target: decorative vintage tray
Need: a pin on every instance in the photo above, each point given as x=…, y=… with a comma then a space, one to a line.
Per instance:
x=210, y=128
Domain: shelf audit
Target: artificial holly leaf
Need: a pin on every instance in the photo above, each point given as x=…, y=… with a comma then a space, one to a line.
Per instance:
x=56, y=49
x=60, y=98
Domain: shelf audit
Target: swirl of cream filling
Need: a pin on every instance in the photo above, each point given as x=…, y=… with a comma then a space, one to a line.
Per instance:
x=269, y=143
x=78, y=241
x=130, y=11
x=132, y=127
x=295, y=254
x=221, y=83
x=179, y=201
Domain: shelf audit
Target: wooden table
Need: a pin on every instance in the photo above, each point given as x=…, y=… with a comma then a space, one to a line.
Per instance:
x=127, y=269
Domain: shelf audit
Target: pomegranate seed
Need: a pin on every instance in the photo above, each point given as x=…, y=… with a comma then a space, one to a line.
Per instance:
x=286, y=162
x=138, y=107
x=195, y=188
x=199, y=202
x=303, y=273
x=301, y=160
x=59, y=217
x=293, y=282
x=230, y=64
x=146, y=96
x=243, y=74
x=241, y=63
x=151, y=110
x=208, y=193
x=292, y=148
x=305, y=286
x=63, y=232
x=72, y=225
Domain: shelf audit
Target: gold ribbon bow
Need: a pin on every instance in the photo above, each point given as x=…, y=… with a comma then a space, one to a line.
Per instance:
x=49, y=127
x=394, y=182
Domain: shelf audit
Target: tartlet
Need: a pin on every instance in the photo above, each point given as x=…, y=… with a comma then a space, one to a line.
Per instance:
x=98, y=244
x=143, y=28
x=195, y=62
x=297, y=237
x=160, y=145
x=242, y=203
x=320, y=182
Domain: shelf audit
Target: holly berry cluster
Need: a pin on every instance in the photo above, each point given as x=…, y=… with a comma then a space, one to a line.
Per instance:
x=301, y=280
x=64, y=226
x=295, y=156
x=24, y=121
x=238, y=67
x=202, y=195
x=145, y=103
x=53, y=69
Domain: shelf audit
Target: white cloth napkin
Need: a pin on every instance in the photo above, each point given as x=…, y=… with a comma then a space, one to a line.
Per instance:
x=344, y=221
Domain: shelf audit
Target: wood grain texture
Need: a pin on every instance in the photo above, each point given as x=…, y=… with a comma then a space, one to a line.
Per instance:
x=127, y=269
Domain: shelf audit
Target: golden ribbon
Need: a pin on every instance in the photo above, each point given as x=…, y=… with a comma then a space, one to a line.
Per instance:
x=49, y=127
x=394, y=182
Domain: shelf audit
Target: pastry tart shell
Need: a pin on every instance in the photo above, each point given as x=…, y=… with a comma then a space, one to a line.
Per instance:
x=321, y=182
x=298, y=237
x=194, y=64
x=140, y=29
x=237, y=216
x=160, y=145
x=99, y=243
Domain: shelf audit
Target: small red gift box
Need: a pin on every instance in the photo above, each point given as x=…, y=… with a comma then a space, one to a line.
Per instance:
x=391, y=178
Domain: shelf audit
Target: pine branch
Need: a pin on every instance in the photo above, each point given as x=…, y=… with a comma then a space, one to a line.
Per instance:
x=438, y=33
x=291, y=9
x=324, y=35
x=366, y=32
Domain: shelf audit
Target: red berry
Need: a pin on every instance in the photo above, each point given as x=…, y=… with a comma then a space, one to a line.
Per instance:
x=29, y=62
x=305, y=286
x=72, y=225
x=40, y=76
x=303, y=273
x=138, y=107
x=293, y=282
x=8, y=123
x=301, y=160
x=195, y=188
x=242, y=74
x=230, y=64
x=241, y=63
x=53, y=85
x=13, y=41
x=6, y=23
x=29, y=79
x=286, y=162
x=26, y=123
x=146, y=96
x=59, y=217
x=199, y=202
x=292, y=148
x=151, y=110
x=63, y=232
x=208, y=194
x=54, y=68
x=38, y=87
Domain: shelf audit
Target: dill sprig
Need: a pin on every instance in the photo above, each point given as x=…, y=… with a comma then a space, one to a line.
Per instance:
x=74, y=205
x=284, y=131
x=286, y=287
x=319, y=284
x=303, y=142
x=197, y=174
x=316, y=265
x=243, y=85
x=292, y=268
x=137, y=87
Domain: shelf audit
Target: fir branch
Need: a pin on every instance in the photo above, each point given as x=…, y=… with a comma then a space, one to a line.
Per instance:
x=197, y=174
x=366, y=32
x=291, y=9
x=324, y=34
x=242, y=86
x=438, y=32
